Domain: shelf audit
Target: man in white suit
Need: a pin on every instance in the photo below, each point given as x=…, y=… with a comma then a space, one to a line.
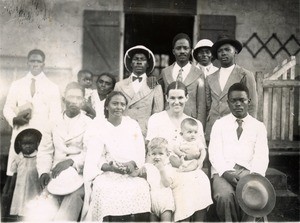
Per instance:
x=143, y=101
x=62, y=148
x=32, y=101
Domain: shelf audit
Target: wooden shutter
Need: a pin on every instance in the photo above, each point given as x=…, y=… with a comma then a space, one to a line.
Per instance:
x=102, y=41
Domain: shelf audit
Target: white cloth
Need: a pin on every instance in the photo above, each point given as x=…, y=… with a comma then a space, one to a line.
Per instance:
x=224, y=75
x=207, y=70
x=64, y=141
x=46, y=106
x=161, y=197
x=112, y=193
x=137, y=84
x=185, y=71
x=194, y=195
x=250, y=151
x=97, y=104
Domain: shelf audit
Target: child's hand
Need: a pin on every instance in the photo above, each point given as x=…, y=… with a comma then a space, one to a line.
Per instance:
x=159, y=165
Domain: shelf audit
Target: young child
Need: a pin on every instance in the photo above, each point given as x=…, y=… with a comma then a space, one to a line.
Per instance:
x=185, y=156
x=85, y=79
x=158, y=173
x=24, y=164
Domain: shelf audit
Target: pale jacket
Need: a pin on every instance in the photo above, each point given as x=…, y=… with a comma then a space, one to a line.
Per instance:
x=143, y=104
x=196, y=105
x=46, y=106
x=250, y=150
x=62, y=143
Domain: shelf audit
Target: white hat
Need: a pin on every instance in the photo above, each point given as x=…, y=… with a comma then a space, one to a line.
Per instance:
x=66, y=182
x=202, y=43
x=139, y=48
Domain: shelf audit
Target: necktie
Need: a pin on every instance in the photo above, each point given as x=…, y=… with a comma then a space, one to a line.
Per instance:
x=179, y=76
x=32, y=87
x=137, y=78
x=239, y=129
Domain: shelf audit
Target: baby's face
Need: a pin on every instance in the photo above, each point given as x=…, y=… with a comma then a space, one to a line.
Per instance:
x=158, y=155
x=189, y=132
x=86, y=80
x=28, y=144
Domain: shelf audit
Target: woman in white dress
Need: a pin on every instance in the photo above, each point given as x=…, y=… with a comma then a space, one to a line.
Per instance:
x=105, y=84
x=191, y=190
x=115, y=148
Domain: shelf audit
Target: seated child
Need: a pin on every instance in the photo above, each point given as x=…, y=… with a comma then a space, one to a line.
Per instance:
x=158, y=173
x=24, y=164
x=186, y=154
x=85, y=79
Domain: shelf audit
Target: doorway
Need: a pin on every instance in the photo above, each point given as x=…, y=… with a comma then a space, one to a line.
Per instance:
x=156, y=32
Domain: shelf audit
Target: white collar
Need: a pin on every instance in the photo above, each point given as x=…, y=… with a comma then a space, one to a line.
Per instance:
x=40, y=76
x=186, y=67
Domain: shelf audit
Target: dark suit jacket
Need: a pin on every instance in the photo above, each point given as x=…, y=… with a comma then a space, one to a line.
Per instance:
x=217, y=99
x=196, y=105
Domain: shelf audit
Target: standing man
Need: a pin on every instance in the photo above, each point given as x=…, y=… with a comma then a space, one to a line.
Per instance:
x=32, y=101
x=143, y=101
x=238, y=146
x=61, y=148
x=202, y=54
x=193, y=78
x=218, y=83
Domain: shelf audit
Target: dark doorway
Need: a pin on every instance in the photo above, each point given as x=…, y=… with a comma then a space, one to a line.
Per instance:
x=156, y=32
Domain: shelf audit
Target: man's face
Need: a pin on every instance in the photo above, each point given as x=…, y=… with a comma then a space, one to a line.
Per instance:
x=139, y=64
x=204, y=56
x=182, y=51
x=74, y=99
x=226, y=55
x=238, y=102
x=35, y=64
x=104, y=85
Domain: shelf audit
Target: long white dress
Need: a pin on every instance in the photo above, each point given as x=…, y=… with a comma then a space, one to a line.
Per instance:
x=112, y=193
x=191, y=190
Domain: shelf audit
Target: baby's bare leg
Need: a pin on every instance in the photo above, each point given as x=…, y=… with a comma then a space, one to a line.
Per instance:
x=166, y=216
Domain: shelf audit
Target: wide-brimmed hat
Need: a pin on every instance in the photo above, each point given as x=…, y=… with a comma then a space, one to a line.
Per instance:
x=223, y=40
x=202, y=43
x=139, y=49
x=255, y=195
x=66, y=182
x=35, y=132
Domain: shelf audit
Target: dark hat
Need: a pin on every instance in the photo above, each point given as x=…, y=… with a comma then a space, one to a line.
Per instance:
x=139, y=49
x=35, y=132
x=223, y=39
x=255, y=195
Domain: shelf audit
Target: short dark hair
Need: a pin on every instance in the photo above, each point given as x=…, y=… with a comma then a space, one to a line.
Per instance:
x=177, y=85
x=181, y=36
x=238, y=87
x=108, y=99
x=81, y=72
x=111, y=76
x=37, y=51
x=74, y=85
x=189, y=121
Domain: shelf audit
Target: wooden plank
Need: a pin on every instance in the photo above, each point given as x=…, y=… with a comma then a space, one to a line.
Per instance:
x=267, y=108
x=260, y=93
x=281, y=83
x=283, y=68
x=284, y=144
x=292, y=112
x=275, y=119
x=284, y=106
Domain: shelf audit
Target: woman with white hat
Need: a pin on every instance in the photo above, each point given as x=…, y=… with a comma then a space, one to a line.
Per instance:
x=202, y=54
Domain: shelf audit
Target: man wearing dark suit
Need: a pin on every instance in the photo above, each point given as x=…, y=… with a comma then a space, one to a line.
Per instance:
x=218, y=83
x=192, y=77
x=143, y=101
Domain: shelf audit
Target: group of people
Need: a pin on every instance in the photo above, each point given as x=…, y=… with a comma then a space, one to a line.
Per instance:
x=139, y=147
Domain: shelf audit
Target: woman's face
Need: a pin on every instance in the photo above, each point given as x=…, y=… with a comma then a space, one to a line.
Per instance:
x=177, y=99
x=116, y=106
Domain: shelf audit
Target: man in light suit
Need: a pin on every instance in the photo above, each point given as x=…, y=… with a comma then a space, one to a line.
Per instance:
x=62, y=147
x=32, y=101
x=143, y=101
x=218, y=83
x=193, y=78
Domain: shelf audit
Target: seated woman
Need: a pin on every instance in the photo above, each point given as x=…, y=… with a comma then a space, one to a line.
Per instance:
x=191, y=189
x=115, y=148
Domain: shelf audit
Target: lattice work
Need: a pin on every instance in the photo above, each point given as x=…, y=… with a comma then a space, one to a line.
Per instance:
x=264, y=45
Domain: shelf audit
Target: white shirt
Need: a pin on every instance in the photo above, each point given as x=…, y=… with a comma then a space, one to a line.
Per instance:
x=250, y=150
x=136, y=84
x=185, y=71
x=224, y=75
x=207, y=70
